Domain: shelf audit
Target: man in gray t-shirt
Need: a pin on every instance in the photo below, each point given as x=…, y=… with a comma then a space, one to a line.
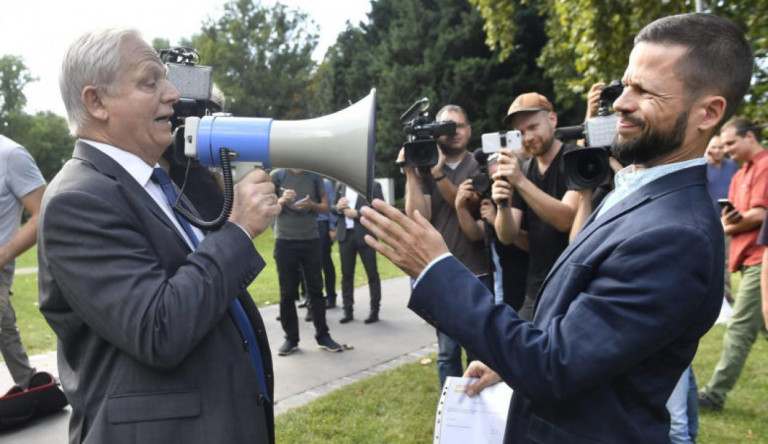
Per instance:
x=297, y=249
x=21, y=187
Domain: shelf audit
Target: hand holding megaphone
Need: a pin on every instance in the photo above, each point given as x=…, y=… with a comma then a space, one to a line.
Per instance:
x=255, y=204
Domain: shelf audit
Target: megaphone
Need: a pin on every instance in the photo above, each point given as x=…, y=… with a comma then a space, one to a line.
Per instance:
x=340, y=145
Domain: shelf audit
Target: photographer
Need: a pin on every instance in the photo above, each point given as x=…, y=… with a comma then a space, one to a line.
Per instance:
x=542, y=209
x=511, y=262
x=433, y=194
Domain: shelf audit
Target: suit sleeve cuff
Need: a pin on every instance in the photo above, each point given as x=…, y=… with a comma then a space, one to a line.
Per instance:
x=243, y=229
x=426, y=269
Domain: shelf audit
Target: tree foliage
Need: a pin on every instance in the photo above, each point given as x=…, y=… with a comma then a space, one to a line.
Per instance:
x=590, y=40
x=14, y=76
x=45, y=135
x=411, y=49
x=262, y=58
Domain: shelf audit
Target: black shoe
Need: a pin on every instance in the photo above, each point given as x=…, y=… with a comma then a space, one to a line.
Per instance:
x=303, y=303
x=373, y=317
x=347, y=318
x=308, y=317
x=326, y=343
x=330, y=303
x=706, y=403
x=287, y=348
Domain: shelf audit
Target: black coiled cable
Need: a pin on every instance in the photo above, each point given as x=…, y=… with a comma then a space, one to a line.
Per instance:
x=226, y=208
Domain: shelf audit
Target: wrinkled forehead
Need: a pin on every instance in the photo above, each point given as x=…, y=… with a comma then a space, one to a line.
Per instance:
x=136, y=54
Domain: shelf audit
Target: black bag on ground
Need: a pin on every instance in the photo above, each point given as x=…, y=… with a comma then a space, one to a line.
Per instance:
x=42, y=398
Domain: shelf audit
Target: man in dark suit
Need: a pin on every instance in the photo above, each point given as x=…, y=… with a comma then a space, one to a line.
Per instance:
x=621, y=312
x=158, y=341
x=350, y=234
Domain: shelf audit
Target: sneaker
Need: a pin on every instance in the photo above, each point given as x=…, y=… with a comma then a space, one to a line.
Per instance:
x=706, y=403
x=287, y=348
x=326, y=343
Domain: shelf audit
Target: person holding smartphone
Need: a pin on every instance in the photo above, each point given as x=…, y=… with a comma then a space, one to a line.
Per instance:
x=302, y=196
x=748, y=194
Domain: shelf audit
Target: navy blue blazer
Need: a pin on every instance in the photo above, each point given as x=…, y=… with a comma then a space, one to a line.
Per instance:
x=618, y=319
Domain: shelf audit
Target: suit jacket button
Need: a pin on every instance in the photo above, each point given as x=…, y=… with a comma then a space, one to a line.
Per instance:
x=260, y=399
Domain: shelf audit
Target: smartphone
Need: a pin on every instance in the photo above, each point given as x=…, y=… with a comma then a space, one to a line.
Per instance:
x=726, y=204
x=492, y=142
x=302, y=200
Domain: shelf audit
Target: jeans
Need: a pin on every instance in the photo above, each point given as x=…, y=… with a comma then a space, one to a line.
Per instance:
x=683, y=410
x=449, y=351
x=290, y=255
x=745, y=324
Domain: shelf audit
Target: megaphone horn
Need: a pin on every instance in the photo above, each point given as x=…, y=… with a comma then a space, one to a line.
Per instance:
x=340, y=145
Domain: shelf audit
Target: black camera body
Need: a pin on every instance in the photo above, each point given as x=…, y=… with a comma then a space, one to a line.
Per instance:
x=422, y=133
x=589, y=167
x=482, y=182
x=195, y=85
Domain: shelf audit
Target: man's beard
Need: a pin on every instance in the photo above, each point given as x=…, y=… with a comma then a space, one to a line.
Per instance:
x=650, y=146
x=448, y=149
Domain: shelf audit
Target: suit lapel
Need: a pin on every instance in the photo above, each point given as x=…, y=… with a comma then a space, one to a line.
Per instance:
x=107, y=166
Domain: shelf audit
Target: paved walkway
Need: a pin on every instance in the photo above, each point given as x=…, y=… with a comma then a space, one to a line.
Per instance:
x=399, y=337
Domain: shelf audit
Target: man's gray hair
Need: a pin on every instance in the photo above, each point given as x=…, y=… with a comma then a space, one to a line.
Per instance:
x=93, y=59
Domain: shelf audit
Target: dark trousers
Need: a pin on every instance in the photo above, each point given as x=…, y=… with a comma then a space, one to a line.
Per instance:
x=329, y=271
x=348, y=250
x=289, y=256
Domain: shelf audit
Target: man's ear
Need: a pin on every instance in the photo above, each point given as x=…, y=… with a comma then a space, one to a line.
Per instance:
x=710, y=111
x=93, y=99
x=552, y=118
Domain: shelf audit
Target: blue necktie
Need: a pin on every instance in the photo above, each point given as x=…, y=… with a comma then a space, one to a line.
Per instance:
x=160, y=177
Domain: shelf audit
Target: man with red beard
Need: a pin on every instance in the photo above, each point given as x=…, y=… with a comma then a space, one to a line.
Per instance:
x=541, y=214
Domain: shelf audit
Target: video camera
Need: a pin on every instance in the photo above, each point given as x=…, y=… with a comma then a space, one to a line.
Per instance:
x=195, y=86
x=421, y=147
x=588, y=167
x=482, y=181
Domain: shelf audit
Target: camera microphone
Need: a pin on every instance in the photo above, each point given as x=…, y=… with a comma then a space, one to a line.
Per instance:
x=480, y=156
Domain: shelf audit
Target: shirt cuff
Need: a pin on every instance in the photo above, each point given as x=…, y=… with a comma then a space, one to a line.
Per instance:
x=426, y=269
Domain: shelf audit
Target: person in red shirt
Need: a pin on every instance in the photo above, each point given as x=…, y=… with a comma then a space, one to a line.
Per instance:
x=749, y=195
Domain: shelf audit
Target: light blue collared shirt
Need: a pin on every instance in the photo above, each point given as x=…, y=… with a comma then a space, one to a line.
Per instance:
x=630, y=179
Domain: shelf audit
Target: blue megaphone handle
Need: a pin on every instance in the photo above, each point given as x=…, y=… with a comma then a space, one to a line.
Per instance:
x=247, y=136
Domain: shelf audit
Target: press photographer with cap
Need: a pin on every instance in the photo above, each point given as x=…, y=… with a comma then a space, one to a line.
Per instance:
x=158, y=340
x=542, y=209
x=624, y=307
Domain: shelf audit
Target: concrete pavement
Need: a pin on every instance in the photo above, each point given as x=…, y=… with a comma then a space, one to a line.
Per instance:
x=399, y=337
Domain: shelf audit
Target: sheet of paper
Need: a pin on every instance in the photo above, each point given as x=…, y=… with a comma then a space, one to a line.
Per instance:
x=480, y=419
